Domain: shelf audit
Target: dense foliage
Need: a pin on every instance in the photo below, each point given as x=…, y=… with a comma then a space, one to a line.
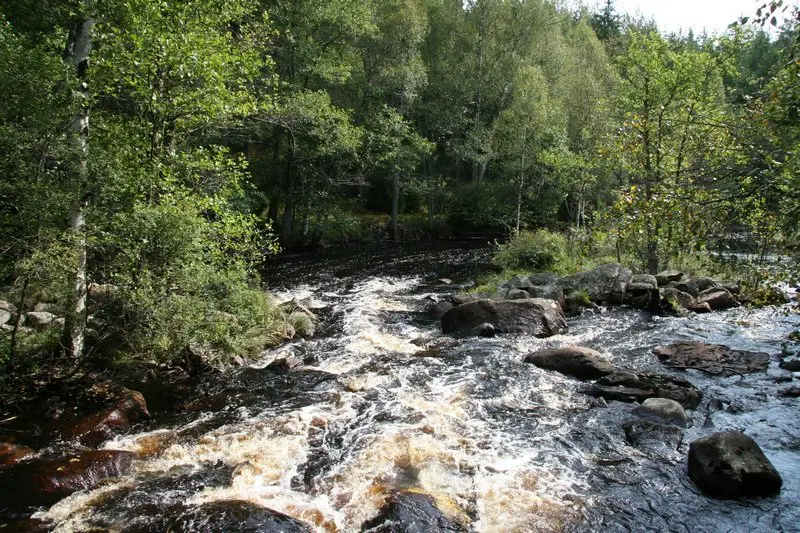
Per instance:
x=154, y=152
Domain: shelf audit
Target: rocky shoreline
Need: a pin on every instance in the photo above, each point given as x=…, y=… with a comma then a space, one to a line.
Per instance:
x=724, y=465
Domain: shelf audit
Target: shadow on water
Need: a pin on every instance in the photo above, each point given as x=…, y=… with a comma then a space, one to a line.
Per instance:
x=499, y=445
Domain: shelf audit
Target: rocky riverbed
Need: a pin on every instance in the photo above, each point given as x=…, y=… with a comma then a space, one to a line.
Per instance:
x=617, y=416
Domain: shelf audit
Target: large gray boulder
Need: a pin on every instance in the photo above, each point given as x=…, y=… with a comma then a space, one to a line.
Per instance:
x=717, y=298
x=663, y=411
x=730, y=465
x=665, y=277
x=605, y=284
x=642, y=292
x=548, y=292
x=5, y=316
x=532, y=316
x=712, y=358
x=577, y=361
x=543, y=278
x=628, y=386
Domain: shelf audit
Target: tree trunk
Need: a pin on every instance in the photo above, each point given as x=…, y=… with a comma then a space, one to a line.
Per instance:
x=395, y=207
x=79, y=47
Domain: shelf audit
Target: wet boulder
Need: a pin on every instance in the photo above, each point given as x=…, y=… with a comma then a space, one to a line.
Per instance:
x=485, y=330
x=730, y=465
x=532, y=316
x=642, y=292
x=650, y=435
x=605, y=284
x=13, y=453
x=45, y=481
x=96, y=428
x=717, y=298
x=712, y=358
x=577, y=361
x=665, y=277
x=440, y=308
x=663, y=411
x=410, y=512
x=628, y=386
x=236, y=516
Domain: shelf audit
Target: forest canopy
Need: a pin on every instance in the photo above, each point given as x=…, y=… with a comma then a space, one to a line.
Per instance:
x=154, y=152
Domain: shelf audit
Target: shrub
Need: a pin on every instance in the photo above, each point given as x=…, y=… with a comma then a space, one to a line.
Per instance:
x=539, y=250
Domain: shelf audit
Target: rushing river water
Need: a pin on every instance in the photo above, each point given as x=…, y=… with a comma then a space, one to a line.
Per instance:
x=499, y=444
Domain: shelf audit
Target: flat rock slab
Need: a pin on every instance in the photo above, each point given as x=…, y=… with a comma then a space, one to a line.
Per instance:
x=649, y=435
x=45, y=481
x=627, y=386
x=712, y=358
x=237, y=516
x=532, y=316
x=577, y=361
x=411, y=512
x=730, y=465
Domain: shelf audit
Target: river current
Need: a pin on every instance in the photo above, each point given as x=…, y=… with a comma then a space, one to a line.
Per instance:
x=501, y=446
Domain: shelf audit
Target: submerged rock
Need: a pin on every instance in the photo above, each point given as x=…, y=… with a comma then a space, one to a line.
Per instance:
x=628, y=386
x=45, y=481
x=663, y=411
x=577, y=361
x=646, y=434
x=410, y=512
x=532, y=316
x=730, y=465
x=236, y=516
x=13, y=453
x=98, y=427
x=605, y=284
x=712, y=358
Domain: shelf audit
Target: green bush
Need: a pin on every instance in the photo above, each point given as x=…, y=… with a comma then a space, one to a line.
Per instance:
x=538, y=251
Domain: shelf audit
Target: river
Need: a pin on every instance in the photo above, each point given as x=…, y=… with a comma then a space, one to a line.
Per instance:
x=501, y=445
